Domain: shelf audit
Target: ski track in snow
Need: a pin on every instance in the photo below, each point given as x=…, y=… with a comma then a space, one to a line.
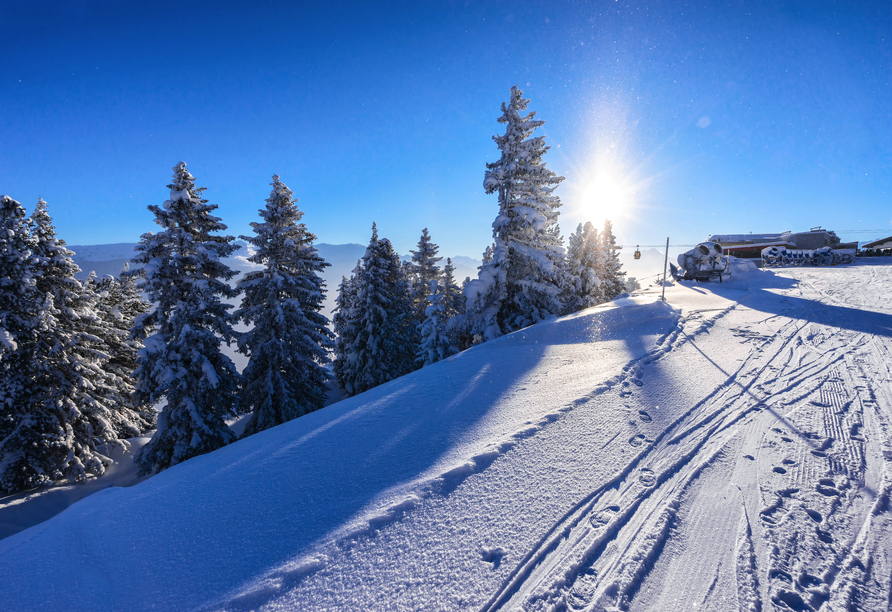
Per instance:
x=800, y=404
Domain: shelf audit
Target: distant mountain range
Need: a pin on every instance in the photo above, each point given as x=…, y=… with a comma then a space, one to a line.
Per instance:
x=110, y=259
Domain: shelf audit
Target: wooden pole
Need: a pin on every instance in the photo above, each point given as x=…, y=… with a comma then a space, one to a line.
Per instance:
x=665, y=264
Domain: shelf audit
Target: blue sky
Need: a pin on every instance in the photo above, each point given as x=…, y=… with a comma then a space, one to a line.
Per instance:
x=672, y=119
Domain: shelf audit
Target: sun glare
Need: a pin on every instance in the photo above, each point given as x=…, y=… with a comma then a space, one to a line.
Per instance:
x=605, y=197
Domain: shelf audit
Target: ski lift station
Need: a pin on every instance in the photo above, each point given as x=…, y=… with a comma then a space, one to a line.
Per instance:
x=750, y=246
x=881, y=245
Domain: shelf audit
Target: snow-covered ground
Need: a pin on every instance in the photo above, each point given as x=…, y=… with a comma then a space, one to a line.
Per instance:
x=729, y=449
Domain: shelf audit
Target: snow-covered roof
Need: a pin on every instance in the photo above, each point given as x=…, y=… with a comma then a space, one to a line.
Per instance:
x=746, y=237
x=882, y=243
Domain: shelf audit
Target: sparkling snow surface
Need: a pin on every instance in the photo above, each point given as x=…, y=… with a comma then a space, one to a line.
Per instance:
x=729, y=449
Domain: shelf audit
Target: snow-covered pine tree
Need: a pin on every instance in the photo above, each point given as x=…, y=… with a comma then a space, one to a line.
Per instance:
x=487, y=256
x=584, y=266
x=614, y=278
x=445, y=301
x=18, y=293
x=19, y=326
x=73, y=405
x=521, y=284
x=132, y=306
x=290, y=342
x=77, y=388
x=424, y=271
x=345, y=329
x=453, y=298
x=386, y=334
x=184, y=276
x=118, y=305
x=434, y=344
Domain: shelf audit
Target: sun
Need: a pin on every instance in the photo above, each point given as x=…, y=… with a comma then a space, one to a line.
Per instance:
x=606, y=197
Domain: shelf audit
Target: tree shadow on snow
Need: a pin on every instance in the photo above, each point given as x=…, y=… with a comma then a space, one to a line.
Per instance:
x=764, y=299
x=338, y=474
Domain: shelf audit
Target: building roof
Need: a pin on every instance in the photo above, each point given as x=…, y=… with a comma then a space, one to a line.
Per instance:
x=875, y=243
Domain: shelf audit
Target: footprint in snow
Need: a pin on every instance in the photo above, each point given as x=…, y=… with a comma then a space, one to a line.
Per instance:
x=824, y=536
x=602, y=517
x=493, y=555
x=779, y=574
x=780, y=470
x=583, y=590
x=647, y=478
x=644, y=416
x=807, y=581
x=773, y=514
x=814, y=515
x=827, y=488
x=791, y=600
x=636, y=440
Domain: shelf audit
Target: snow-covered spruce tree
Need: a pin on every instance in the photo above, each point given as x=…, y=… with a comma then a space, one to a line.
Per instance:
x=453, y=298
x=18, y=294
x=74, y=404
x=439, y=339
x=181, y=361
x=521, y=284
x=487, y=257
x=424, y=271
x=118, y=304
x=435, y=342
x=386, y=334
x=19, y=326
x=345, y=329
x=584, y=266
x=290, y=342
x=614, y=278
x=76, y=365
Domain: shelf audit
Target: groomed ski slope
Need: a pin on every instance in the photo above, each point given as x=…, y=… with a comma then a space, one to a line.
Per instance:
x=729, y=449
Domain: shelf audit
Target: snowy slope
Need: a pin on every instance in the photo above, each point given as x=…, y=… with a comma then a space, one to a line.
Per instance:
x=729, y=449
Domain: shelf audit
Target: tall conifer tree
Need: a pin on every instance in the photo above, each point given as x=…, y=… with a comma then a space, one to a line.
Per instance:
x=72, y=410
x=289, y=343
x=424, y=271
x=385, y=330
x=585, y=267
x=520, y=285
x=453, y=298
x=118, y=304
x=438, y=337
x=181, y=362
x=614, y=277
x=19, y=327
x=345, y=329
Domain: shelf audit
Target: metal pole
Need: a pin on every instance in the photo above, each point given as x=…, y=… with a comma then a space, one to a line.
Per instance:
x=665, y=264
